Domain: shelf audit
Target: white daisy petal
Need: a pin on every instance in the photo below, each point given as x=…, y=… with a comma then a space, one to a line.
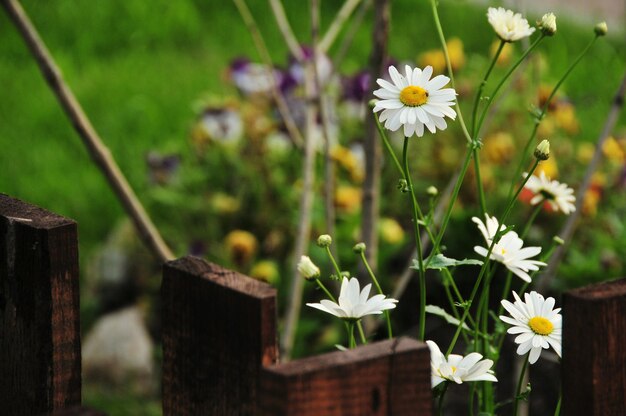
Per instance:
x=535, y=322
x=354, y=303
x=413, y=100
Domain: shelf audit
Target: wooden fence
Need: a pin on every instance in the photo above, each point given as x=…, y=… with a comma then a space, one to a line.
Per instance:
x=219, y=341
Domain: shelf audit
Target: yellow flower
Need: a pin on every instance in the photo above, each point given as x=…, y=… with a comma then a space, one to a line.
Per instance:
x=499, y=147
x=348, y=199
x=585, y=152
x=437, y=59
x=613, y=151
x=591, y=201
x=390, y=231
x=266, y=271
x=241, y=246
x=224, y=204
x=565, y=116
x=346, y=159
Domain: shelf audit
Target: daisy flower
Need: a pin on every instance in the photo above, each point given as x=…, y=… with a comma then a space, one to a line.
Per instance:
x=509, y=26
x=458, y=368
x=536, y=321
x=508, y=250
x=558, y=195
x=354, y=303
x=414, y=100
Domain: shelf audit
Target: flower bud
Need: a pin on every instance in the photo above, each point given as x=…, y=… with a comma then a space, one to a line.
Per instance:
x=542, y=152
x=324, y=240
x=547, y=24
x=601, y=29
x=432, y=191
x=308, y=269
x=558, y=240
x=359, y=248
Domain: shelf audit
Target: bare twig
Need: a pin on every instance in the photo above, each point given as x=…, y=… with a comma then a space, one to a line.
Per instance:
x=322, y=104
x=304, y=222
x=570, y=225
x=285, y=29
x=371, y=185
x=261, y=47
x=99, y=153
x=337, y=24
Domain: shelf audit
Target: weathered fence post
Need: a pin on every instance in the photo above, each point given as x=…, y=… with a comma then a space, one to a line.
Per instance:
x=39, y=310
x=219, y=328
x=594, y=350
x=388, y=378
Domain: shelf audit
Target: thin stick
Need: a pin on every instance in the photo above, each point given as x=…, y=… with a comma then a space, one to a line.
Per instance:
x=570, y=225
x=373, y=149
x=304, y=222
x=283, y=108
x=99, y=153
x=335, y=27
x=285, y=29
x=322, y=106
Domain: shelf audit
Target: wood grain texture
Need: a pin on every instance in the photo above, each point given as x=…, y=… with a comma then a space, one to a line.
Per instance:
x=219, y=328
x=390, y=378
x=594, y=350
x=39, y=310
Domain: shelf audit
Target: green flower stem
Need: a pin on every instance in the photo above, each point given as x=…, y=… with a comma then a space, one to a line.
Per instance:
x=479, y=182
x=418, y=240
x=487, y=257
x=482, y=86
x=440, y=402
x=351, y=340
x=332, y=260
x=387, y=144
x=557, y=410
x=455, y=194
x=444, y=47
x=518, y=389
x=544, y=109
x=503, y=80
x=321, y=286
x=380, y=291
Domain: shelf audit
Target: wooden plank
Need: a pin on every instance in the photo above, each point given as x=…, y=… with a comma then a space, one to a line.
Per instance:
x=390, y=378
x=594, y=350
x=219, y=328
x=39, y=310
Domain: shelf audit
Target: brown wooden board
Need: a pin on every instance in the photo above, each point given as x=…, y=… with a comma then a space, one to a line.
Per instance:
x=39, y=310
x=390, y=378
x=219, y=328
x=594, y=350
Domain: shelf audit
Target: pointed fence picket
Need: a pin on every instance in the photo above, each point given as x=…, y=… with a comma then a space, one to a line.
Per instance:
x=220, y=355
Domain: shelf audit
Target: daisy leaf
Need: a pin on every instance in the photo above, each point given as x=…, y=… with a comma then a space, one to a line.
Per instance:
x=436, y=310
x=441, y=262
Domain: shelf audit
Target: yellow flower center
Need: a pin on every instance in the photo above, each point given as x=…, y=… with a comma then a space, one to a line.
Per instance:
x=540, y=325
x=413, y=96
x=502, y=251
x=453, y=369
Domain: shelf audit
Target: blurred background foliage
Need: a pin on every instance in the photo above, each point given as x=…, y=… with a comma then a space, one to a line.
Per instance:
x=146, y=72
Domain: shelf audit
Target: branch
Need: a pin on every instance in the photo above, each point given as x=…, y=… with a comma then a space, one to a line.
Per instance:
x=261, y=47
x=285, y=29
x=332, y=32
x=99, y=153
